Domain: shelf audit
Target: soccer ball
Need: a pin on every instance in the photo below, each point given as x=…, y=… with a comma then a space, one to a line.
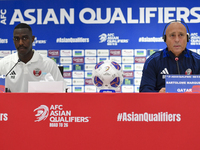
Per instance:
x=107, y=75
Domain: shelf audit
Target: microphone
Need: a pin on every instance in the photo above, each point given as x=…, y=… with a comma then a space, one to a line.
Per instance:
x=13, y=67
x=7, y=89
x=176, y=59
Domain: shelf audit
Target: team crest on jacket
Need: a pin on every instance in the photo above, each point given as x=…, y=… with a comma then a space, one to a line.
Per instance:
x=188, y=71
x=37, y=72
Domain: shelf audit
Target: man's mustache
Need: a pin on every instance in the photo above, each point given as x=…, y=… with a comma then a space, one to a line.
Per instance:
x=21, y=47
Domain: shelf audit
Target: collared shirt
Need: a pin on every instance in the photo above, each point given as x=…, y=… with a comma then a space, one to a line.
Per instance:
x=34, y=70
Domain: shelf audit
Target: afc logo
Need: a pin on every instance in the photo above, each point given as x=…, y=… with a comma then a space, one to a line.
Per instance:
x=2, y=16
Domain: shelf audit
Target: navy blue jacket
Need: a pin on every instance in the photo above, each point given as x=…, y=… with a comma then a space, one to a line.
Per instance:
x=163, y=62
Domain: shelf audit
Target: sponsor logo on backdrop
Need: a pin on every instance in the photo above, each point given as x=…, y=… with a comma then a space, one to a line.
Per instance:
x=65, y=52
x=78, y=74
x=78, y=52
x=78, y=89
x=78, y=81
x=57, y=116
x=137, y=89
x=3, y=41
x=127, y=52
x=14, y=51
x=138, y=74
x=139, y=66
x=55, y=59
x=100, y=59
x=90, y=89
x=72, y=40
x=2, y=16
x=115, y=52
x=89, y=67
x=140, y=59
x=65, y=60
x=78, y=67
x=78, y=59
x=140, y=52
x=127, y=59
x=128, y=74
x=148, y=117
x=67, y=74
x=111, y=39
x=88, y=82
x=90, y=60
x=150, y=39
x=88, y=74
x=67, y=68
x=68, y=82
x=36, y=41
x=4, y=53
x=102, y=52
x=91, y=52
x=128, y=82
x=3, y=117
x=127, y=89
x=137, y=81
x=151, y=51
x=53, y=53
x=116, y=59
x=127, y=67
x=195, y=39
x=43, y=52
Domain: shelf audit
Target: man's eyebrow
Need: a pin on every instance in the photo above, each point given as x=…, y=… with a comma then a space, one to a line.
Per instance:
x=22, y=36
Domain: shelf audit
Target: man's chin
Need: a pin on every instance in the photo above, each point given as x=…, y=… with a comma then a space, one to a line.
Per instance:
x=177, y=52
x=22, y=53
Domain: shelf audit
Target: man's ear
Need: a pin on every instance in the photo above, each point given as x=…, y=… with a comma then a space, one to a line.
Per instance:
x=33, y=38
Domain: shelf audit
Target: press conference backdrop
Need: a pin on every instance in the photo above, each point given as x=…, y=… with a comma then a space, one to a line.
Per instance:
x=77, y=34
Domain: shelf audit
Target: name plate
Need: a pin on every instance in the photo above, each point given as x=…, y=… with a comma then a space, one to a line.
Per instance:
x=182, y=83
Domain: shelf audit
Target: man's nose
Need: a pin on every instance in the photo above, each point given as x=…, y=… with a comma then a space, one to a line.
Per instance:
x=20, y=41
x=177, y=38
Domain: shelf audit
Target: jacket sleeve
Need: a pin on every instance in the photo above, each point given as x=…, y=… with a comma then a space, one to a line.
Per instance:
x=149, y=76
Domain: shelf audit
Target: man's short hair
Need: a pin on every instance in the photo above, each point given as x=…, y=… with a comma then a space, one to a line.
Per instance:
x=23, y=25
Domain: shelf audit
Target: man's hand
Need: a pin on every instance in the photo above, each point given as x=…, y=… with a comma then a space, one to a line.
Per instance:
x=162, y=90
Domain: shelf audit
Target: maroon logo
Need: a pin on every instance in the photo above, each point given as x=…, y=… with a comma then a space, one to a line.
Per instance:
x=78, y=59
x=128, y=74
x=53, y=53
x=88, y=82
x=140, y=59
x=115, y=52
x=37, y=72
x=67, y=74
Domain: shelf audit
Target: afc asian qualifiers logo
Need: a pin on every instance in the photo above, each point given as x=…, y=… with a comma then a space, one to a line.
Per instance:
x=42, y=113
x=58, y=116
x=111, y=39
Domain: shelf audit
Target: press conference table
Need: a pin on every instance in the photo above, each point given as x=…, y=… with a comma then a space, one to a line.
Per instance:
x=99, y=121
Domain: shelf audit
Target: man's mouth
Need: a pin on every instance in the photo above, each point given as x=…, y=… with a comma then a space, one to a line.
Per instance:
x=21, y=48
x=176, y=46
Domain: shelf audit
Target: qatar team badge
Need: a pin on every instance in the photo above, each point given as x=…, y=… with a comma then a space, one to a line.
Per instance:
x=37, y=72
x=188, y=71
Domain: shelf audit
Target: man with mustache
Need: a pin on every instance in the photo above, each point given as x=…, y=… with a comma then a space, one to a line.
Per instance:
x=175, y=59
x=28, y=64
